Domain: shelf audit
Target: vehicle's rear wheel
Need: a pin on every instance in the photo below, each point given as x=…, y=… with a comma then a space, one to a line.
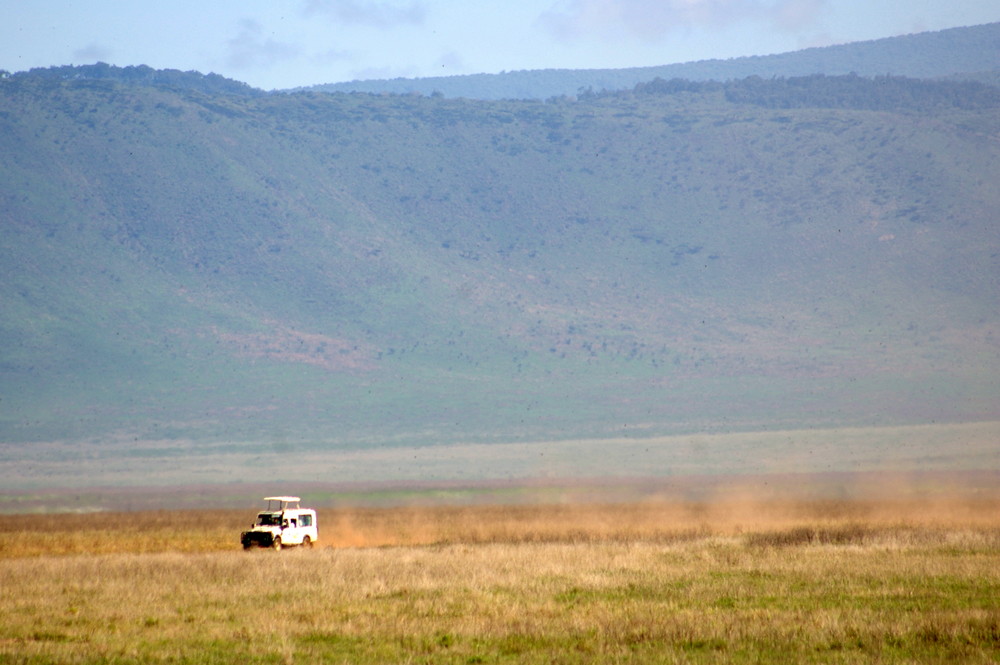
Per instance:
x=307, y=542
x=277, y=543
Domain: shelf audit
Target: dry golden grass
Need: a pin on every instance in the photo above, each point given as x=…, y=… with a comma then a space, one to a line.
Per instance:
x=653, y=521
x=710, y=600
x=672, y=582
x=133, y=532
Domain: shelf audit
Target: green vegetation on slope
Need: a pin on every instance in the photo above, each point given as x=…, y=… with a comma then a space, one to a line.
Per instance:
x=352, y=268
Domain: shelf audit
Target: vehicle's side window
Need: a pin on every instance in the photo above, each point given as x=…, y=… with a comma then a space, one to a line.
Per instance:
x=306, y=520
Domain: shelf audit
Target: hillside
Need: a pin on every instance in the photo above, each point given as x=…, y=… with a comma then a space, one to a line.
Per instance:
x=955, y=51
x=188, y=273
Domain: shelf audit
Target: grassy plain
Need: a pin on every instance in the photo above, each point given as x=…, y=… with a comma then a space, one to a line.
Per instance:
x=656, y=581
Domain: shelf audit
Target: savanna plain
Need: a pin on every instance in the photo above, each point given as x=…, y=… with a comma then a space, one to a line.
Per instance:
x=736, y=579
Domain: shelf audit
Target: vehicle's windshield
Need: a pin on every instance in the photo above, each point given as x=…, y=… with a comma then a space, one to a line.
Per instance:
x=269, y=519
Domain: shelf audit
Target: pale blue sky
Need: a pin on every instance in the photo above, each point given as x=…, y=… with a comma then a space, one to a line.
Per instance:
x=288, y=43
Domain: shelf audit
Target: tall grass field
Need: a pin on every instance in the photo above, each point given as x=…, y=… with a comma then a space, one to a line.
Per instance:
x=648, y=582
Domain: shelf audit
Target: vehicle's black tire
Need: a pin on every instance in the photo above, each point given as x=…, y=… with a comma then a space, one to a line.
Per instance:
x=307, y=542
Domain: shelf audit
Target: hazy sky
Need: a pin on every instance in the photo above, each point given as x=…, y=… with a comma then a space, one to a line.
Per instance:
x=287, y=43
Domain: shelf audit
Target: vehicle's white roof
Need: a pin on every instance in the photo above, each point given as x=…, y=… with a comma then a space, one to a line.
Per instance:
x=282, y=498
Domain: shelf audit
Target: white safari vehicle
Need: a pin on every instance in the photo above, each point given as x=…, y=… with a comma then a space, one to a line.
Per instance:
x=283, y=523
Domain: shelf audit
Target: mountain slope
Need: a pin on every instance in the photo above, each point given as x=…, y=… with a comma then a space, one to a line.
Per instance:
x=922, y=55
x=350, y=270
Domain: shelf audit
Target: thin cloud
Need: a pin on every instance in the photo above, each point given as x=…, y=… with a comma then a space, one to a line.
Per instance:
x=383, y=73
x=376, y=14
x=818, y=40
x=333, y=56
x=251, y=49
x=91, y=52
x=450, y=63
x=797, y=14
x=652, y=19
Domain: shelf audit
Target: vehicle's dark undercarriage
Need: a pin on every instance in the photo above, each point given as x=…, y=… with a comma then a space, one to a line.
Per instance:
x=258, y=538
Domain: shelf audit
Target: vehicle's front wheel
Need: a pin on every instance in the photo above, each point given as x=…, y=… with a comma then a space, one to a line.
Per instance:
x=307, y=542
x=277, y=543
